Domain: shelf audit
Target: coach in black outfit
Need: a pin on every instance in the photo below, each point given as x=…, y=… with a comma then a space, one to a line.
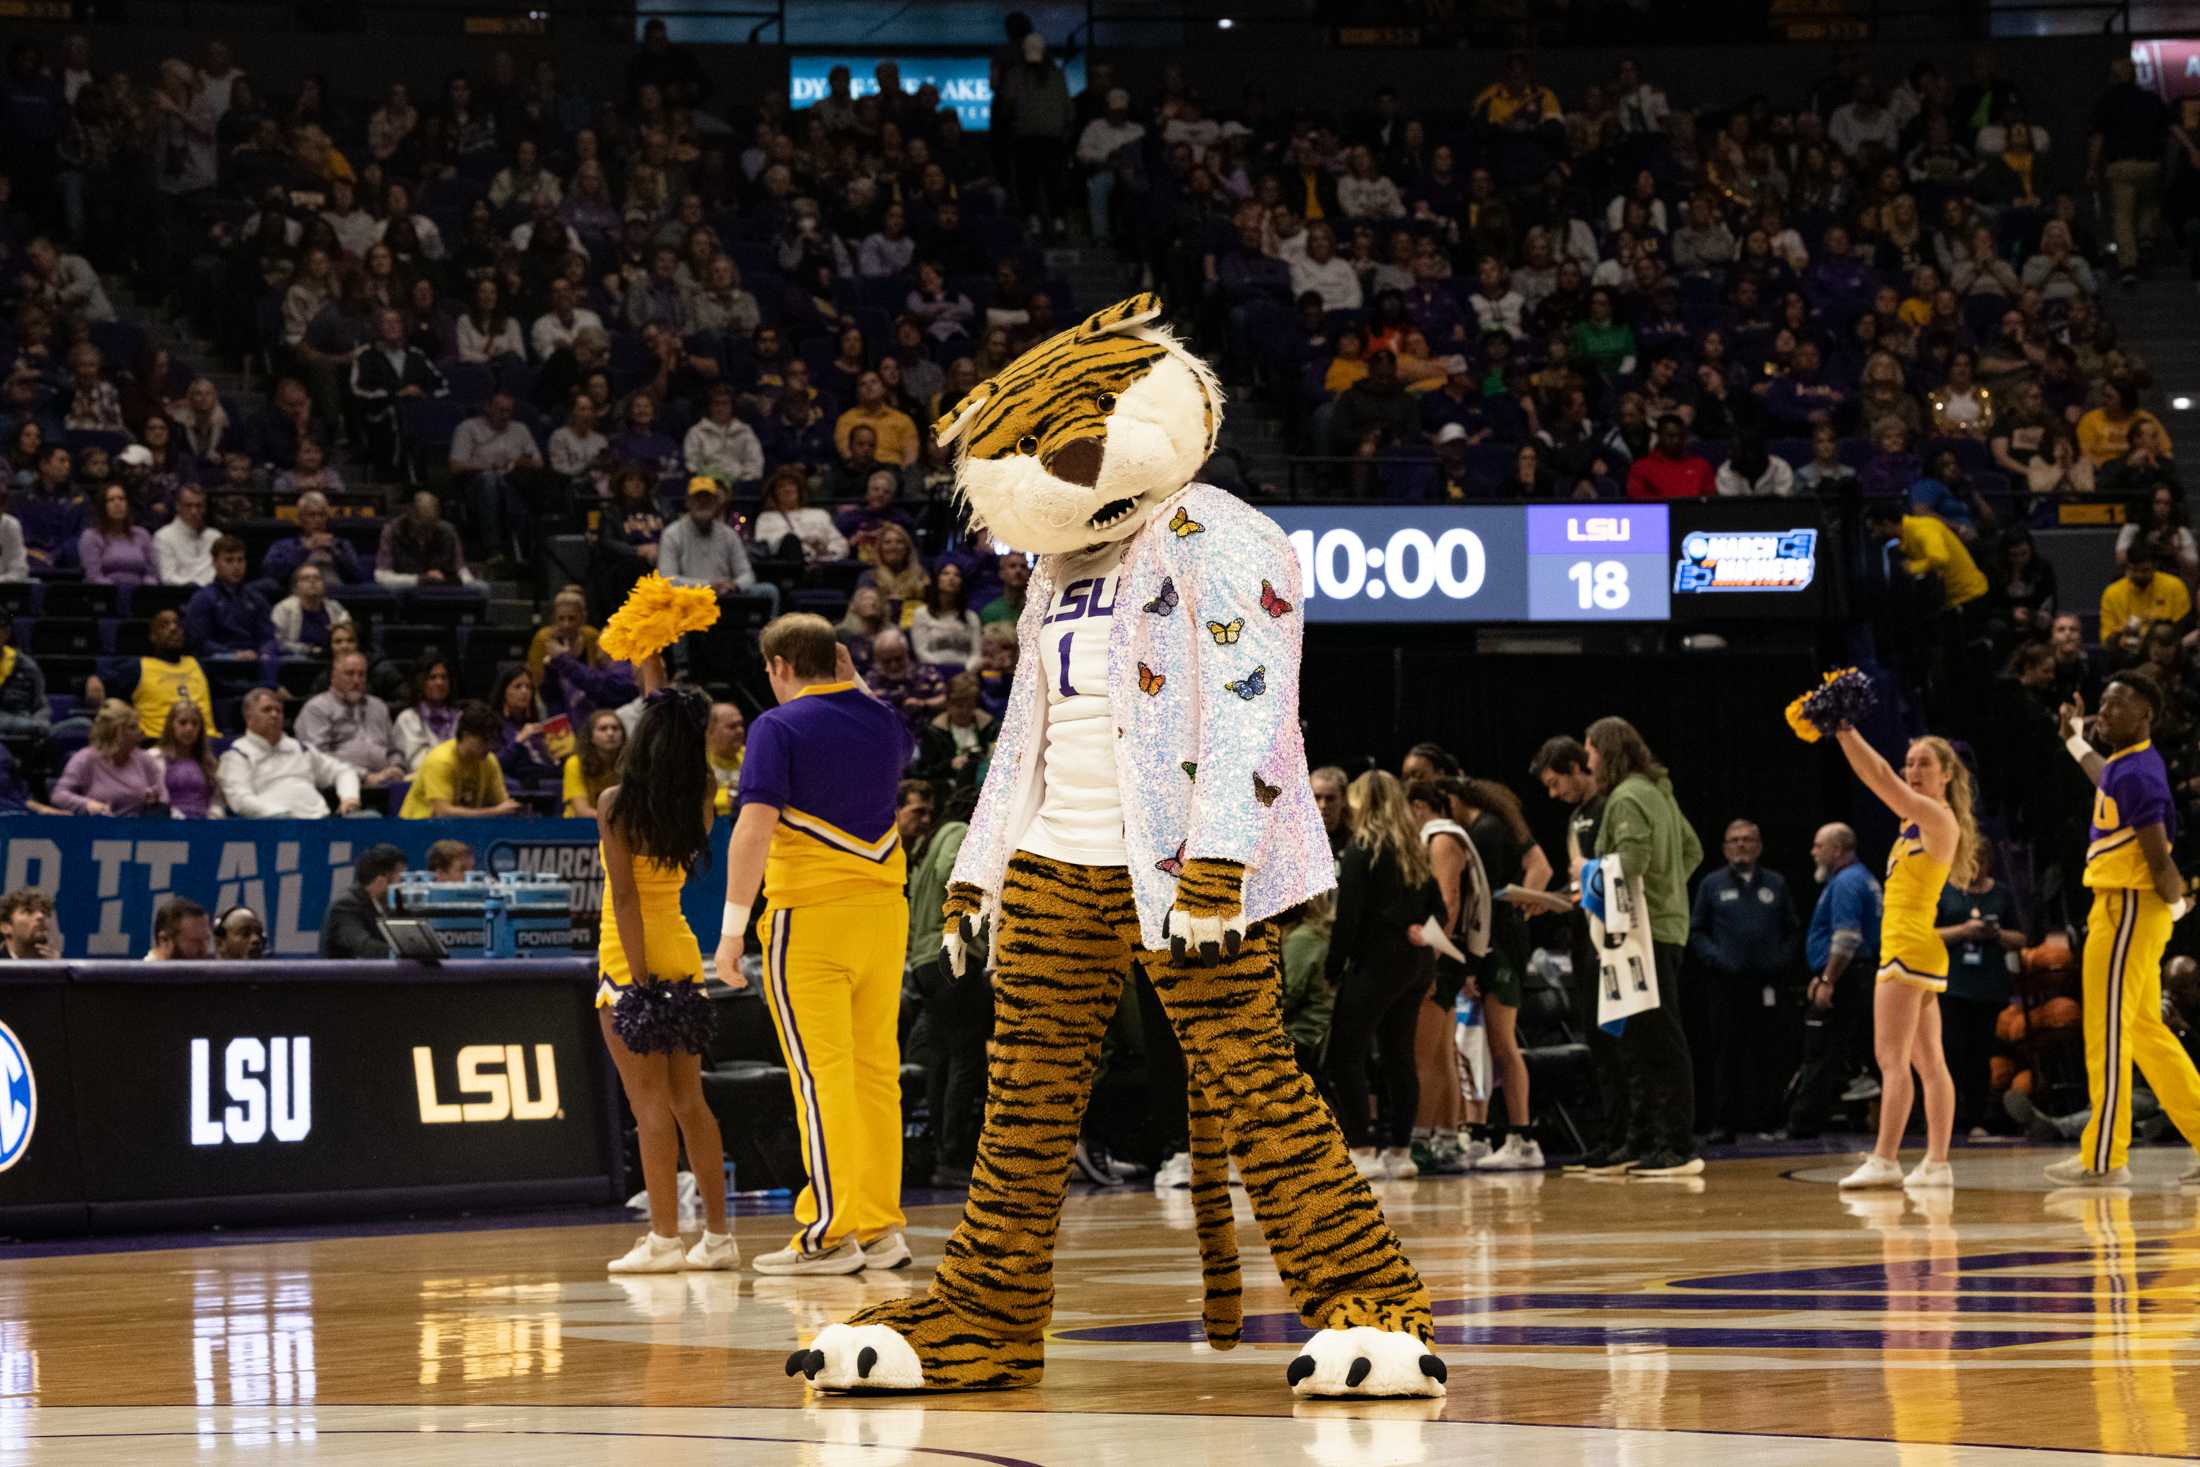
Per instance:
x=353, y=926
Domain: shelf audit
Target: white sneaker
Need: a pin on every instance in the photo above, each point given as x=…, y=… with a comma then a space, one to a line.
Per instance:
x=1368, y=1162
x=651, y=1254
x=1931, y=1174
x=885, y=1252
x=1877, y=1171
x=1863, y=1087
x=2073, y=1173
x=1176, y=1171
x=1398, y=1164
x=1516, y=1155
x=1472, y=1148
x=847, y=1258
x=715, y=1251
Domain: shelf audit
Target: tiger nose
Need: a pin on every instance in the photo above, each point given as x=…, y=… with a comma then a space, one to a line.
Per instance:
x=1078, y=462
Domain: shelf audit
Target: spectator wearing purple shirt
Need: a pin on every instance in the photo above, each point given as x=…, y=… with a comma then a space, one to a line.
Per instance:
x=49, y=509
x=315, y=544
x=1433, y=307
x=915, y=691
x=111, y=775
x=1802, y=397
x=187, y=764
x=1837, y=283
x=641, y=443
x=114, y=549
x=228, y=620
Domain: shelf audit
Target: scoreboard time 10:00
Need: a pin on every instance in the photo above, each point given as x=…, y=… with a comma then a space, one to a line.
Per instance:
x=1496, y=563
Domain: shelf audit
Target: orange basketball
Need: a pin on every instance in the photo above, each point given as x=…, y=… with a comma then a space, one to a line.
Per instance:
x=2058, y=1013
x=2052, y=955
x=1999, y=1072
x=2022, y=1084
x=2009, y=1027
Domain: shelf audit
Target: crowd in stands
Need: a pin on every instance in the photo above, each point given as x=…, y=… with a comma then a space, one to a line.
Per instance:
x=516, y=332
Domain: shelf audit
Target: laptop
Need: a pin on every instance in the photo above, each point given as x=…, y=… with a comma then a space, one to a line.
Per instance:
x=413, y=938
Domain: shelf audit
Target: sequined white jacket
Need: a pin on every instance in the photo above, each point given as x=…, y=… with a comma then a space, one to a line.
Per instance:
x=1205, y=771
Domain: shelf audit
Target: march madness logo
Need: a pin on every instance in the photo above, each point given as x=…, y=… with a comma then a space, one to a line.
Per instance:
x=572, y=862
x=18, y=1099
x=1770, y=560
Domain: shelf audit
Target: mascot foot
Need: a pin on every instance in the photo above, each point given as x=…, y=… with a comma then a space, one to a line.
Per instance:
x=867, y=1357
x=915, y=1345
x=1364, y=1361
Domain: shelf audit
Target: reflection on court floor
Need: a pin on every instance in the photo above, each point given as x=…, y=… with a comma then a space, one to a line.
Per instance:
x=1752, y=1315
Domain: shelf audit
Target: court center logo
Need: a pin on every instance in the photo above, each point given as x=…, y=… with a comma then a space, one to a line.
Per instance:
x=18, y=1099
x=492, y=1085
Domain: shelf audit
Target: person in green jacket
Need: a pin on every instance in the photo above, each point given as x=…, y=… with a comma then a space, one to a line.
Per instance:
x=1643, y=826
x=959, y=1011
x=1307, y=996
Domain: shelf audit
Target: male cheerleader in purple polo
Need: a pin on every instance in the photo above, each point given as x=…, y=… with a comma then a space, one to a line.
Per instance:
x=2138, y=896
x=816, y=832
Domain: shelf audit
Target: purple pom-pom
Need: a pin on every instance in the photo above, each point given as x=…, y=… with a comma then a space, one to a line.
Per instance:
x=664, y=1018
x=1845, y=701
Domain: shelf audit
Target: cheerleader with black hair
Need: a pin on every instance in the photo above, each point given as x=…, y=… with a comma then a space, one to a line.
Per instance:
x=655, y=831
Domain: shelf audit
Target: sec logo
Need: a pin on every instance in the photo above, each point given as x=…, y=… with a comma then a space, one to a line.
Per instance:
x=18, y=1099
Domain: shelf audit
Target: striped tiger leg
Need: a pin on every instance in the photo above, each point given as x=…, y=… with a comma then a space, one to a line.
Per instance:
x=1063, y=962
x=1338, y=1256
x=1222, y=1306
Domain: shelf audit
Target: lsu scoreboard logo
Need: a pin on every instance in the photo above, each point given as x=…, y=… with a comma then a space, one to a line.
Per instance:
x=1746, y=560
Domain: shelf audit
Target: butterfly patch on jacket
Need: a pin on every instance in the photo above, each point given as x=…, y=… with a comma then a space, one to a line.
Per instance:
x=1184, y=525
x=1263, y=791
x=1248, y=687
x=1174, y=865
x=1271, y=603
x=1226, y=633
x=1166, y=602
x=1150, y=682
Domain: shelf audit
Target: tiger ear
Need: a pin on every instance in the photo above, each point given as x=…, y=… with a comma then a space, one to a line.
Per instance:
x=1122, y=316
x=950, y=426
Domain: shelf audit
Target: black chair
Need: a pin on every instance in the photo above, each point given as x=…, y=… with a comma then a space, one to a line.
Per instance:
x=148, y=601
x=80, y=599
x=1556, y=1054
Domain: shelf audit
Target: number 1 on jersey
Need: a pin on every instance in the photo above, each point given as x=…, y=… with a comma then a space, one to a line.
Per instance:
x=1067, y=690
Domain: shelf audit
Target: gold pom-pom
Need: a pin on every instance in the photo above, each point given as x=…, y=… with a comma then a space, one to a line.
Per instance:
x=1841, y=700
x=1804, y=728
x=655, y=615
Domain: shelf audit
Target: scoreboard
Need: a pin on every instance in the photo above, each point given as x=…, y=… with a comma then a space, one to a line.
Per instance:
x=1576, y=561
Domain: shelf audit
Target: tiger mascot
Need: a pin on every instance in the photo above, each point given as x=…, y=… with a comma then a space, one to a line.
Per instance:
x=1148, y=800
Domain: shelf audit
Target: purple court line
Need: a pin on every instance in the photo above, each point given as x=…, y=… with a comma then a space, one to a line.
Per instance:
x=885, y=1399
x=691, y=1436
x=1284, y=1329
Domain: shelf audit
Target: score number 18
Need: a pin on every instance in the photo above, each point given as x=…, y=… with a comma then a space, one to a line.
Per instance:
x=1599, y=585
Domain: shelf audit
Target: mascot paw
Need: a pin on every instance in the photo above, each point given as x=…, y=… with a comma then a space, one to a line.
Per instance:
x=1365, y=1361
x=1207, y=922
x=867, y=1357
x=960, y=917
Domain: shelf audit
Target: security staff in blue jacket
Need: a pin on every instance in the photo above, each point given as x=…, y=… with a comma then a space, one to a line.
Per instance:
x=1744, y=931
x=1842, y=948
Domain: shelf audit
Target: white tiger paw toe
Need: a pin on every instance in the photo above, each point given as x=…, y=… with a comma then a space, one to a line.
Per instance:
x=1365, y=1361
x=864, y=1357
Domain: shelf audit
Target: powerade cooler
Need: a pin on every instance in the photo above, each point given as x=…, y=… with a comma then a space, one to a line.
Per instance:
x=511, y=916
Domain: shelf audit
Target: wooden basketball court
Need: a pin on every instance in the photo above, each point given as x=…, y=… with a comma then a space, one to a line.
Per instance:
x=1752, y=1315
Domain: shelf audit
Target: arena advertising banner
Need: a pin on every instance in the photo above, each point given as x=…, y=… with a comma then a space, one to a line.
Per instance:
x=964, y=82
x=1572, y=562
x=107, y=876
x=2170, y=69
x=177, y=1093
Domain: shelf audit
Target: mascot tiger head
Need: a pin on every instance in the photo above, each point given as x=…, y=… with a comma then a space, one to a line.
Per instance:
x=1077, y=441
